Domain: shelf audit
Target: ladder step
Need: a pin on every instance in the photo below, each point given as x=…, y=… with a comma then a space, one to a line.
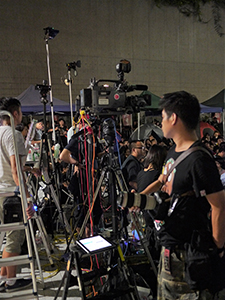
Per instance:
x=15, y=260
x=18, y=295
x=7, y=194
x=12, y=226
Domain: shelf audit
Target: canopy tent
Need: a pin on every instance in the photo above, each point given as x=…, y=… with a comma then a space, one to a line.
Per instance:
x=217, y=100
x=210, y=109
x=31, y=102
x=154, y=100
x=144, y=131
x=204, y=108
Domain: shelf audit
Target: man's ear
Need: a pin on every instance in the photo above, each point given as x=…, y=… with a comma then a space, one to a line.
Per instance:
x=174, y=118
x=15, y=114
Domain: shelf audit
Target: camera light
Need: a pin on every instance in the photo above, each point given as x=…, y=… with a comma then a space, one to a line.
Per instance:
x=66, y=82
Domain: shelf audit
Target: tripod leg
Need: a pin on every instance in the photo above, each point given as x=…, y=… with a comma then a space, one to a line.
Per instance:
x=143, y=241
x=45, y=234
x=136, y=222
x=74, y=230
x=120, y=179
x=36, y=251
x=95, y=196
x=44, y=238
x=54, y=197
x=79, y=275
x=67, y=276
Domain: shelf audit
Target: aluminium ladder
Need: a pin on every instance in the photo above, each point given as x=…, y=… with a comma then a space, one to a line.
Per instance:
x=25, y=225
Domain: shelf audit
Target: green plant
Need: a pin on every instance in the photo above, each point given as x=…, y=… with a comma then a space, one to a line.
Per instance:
x=194, y=7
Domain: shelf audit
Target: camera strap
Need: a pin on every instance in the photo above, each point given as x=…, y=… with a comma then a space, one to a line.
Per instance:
x=183, y=156
x=178, y=161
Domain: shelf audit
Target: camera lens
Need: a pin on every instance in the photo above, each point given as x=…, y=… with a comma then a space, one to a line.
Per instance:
x=129, y=200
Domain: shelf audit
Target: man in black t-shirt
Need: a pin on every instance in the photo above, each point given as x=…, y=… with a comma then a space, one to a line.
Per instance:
x=195, y=188
x=132, y=165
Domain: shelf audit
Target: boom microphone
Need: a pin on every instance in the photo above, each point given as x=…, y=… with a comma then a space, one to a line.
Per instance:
x=140, y=87
x=137, y=87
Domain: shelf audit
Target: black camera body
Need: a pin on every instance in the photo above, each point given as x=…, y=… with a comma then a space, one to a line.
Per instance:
x=101, y=96
x=111, y=95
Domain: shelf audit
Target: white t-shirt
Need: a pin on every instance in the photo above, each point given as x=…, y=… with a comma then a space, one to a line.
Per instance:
x=222, y=178
x=70, y=133
x=6, y=150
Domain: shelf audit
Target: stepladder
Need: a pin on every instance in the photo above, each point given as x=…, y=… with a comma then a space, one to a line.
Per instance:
x=10, y=260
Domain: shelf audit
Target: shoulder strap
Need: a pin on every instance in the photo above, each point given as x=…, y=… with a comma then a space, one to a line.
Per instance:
x=184, y=155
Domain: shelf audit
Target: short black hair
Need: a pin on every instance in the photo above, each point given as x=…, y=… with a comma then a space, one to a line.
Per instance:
x=10, y=105
x=133, y=144
x=184, y=105
x=61, y=119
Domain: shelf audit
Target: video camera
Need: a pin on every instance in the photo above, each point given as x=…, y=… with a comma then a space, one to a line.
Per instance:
x=103, y=95
x=43, y=88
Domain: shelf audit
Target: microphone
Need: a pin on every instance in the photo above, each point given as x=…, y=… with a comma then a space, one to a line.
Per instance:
x=137, y=87
x=140, y=87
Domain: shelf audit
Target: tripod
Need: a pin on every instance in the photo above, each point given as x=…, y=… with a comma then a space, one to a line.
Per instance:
x=116, y=177
x=115, y=182
x=44, y=165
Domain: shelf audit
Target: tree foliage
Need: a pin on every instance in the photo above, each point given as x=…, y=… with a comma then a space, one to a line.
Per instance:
x=194, y=8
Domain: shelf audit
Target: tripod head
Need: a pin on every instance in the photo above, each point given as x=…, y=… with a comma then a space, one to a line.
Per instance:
x=43, y=89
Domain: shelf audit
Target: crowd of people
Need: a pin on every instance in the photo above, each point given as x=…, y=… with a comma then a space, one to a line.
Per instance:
x=194, y=189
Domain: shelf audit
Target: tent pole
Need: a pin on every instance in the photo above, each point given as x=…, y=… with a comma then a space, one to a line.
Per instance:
x=224, y=123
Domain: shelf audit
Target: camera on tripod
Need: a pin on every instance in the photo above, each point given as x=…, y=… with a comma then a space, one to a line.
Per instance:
x=43, y=88
x=103, y=94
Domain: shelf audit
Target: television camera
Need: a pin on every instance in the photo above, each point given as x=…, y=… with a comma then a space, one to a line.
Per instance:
x=111, y=95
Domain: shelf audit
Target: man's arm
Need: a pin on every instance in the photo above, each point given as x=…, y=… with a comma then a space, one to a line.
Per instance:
x=217, y=202
x=29, y=210
x=133, y=184
x=66, y=157
x=14, y=169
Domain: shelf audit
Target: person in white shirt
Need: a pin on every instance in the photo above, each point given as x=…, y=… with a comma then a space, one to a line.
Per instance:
x=9, y=182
